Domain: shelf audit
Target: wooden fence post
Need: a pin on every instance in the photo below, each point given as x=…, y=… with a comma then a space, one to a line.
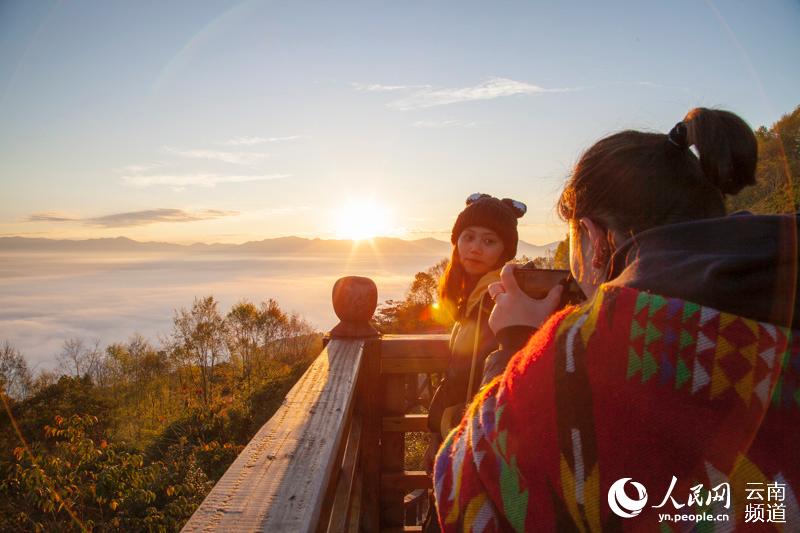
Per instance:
x=354, y=301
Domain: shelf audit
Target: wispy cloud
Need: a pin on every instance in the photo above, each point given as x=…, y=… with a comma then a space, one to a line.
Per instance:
x=235, y=158
x=136, y=218
x=152, y=216
x=24, y=233
x=488, y=90
x=655, y=85
x=253, y=141
x=51, y=217
x=422, y=231
x=135, y=169
x=443, y=124
x=378, y=88
x=265, y=214
x=181, y=181
x=282, y=210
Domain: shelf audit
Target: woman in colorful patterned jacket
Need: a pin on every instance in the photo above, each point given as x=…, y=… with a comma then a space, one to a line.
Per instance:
x=671, y=396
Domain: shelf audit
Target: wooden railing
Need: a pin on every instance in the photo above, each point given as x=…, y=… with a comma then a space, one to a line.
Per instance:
x=332, y=458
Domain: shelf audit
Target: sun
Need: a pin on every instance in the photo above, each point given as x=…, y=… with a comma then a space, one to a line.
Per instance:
x=362, y=220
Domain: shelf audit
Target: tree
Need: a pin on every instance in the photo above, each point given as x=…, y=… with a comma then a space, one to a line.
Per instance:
x=15, y=377
x=422, y=290
x=271, y=325
x=74, y=480
x=561, y=255
x=543, y=262
x=198, y=338
x=139, y=376
x=110, y=443
x=418, y=312
x=244, y=336
x=298, y=336
x=79, y=359
x=778, y=165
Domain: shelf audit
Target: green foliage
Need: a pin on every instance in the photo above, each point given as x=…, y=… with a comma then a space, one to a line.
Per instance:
x=776, y=190
x=415, y=446
x=72, y=482
x=66, y=397
x=15, y=377
x=161, y=428
x=417, y=312
x=198, y=339
x=556, y=259
x=561, y=255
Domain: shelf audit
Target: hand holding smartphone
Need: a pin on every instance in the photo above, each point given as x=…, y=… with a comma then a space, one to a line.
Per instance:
x=527, y=296
x=537, y=282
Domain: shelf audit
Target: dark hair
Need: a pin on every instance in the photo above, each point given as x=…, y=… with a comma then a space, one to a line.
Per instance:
x=452, y=285
x=632, y=181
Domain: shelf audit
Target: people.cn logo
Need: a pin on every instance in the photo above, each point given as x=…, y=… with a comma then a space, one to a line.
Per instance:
x=621, y=504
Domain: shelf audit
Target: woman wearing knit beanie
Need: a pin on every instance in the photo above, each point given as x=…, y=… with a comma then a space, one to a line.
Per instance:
x=484, y=238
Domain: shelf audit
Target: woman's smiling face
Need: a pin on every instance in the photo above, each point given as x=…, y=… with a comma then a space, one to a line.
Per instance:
x=479, y=250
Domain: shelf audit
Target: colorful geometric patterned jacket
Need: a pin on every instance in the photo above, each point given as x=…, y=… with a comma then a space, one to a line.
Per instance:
x=634, y=412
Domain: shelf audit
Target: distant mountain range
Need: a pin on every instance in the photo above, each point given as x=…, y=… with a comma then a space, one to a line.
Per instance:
x=281, y=245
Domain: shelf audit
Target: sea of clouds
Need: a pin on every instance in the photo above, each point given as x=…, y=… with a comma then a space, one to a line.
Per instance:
x=46, y=297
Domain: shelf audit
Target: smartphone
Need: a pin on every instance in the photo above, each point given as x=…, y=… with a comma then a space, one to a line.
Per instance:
x=537, y=282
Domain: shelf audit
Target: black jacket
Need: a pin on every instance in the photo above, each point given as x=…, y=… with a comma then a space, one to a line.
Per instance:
x=742, y=264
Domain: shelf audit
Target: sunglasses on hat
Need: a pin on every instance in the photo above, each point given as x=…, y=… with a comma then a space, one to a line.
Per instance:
x=516, y=204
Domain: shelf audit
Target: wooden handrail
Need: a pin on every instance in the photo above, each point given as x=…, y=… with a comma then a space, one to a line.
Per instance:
x=280, y=480
x=331, y=459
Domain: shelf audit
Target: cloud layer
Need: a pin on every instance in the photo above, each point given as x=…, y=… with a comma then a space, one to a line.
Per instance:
x=443, y=124
x=252, y=141
x=135, y=218
x=234, y=158
x=85, y=295
x=425, y=96
x=378, y=88
x=181, y=181
x=51, y=217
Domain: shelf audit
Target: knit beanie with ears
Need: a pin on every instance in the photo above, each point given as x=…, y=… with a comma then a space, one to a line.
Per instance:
x=499, y=216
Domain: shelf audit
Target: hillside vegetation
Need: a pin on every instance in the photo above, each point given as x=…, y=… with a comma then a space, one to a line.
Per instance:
x=133, y=436
x=776, y=190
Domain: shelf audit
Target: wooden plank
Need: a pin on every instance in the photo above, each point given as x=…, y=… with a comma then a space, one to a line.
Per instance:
x=406, y=480
x=406, y=423
x=370, y=403
x=416, y=337
x=392, y=450
x=354, y=516
x=344, y=487
x=338, y=473
x=415, y=346
x=413, y=365
x=415, y=504
x=403, y=529
x=280, y=480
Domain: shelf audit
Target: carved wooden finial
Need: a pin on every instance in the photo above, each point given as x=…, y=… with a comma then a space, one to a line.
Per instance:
x=354, y=301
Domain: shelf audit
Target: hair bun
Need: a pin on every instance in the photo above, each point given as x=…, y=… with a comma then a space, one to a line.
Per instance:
x=517, y=207
x=727, y=147
x=677, y=136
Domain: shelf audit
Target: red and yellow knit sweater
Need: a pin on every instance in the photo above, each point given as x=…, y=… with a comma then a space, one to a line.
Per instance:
x=655, y=406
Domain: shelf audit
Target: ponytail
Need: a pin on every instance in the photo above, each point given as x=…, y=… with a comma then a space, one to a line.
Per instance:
x=727, y=147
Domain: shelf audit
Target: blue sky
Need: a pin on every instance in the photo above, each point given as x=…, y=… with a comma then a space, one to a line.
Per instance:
x=234, y=121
